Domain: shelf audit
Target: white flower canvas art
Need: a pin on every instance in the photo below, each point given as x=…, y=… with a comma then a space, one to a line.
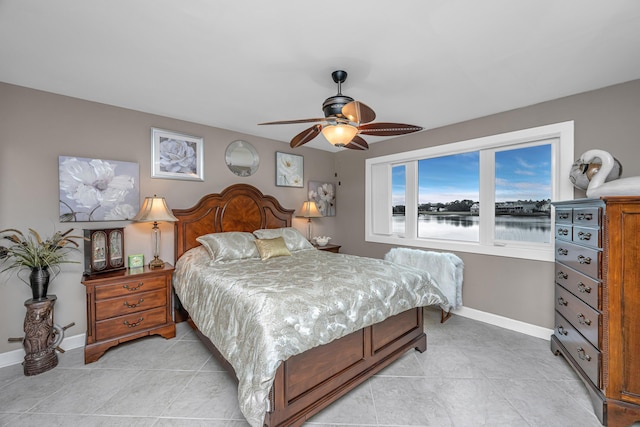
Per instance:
x=98, y=190
x=324, y=194
x=176, y=156
x=289, y=170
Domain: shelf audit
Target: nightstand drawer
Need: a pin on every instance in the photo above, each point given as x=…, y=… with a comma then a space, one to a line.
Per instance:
x=128, y=287
x=137, y=301
x=132, y=323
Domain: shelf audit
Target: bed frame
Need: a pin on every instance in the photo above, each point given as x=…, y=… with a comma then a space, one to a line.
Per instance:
x=308, y=382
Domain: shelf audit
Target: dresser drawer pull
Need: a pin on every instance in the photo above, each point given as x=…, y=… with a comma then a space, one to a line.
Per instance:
x=583, y=320
x=134, y=288
x=584, y=217
x=584, y=259
x=584, y=236
x=583, y=354
x=584, y=288
x=126, y=303
x=562, y=301
x=562, y=331
x=563, y=215
x=562, y=275
x=133, y=325
x=563, y=251
x=563, y=231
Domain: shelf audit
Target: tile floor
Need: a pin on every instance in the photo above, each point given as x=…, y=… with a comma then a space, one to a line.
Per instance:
x=472, y=374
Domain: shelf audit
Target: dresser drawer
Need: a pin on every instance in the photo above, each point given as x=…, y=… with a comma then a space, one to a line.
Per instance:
x=130, y=286
x=585, y=355
x=582, y=317
x=582, y=286
x=129, y=324
x=585, y=260
x=564, y=232
x=587, y=217
x=137, y=301
x=587, y=236
x=564, y=215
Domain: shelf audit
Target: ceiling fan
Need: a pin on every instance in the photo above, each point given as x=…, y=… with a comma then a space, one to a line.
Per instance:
x=344, y=120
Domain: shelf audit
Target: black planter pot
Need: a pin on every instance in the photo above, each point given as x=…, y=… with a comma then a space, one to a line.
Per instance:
x=39, y=281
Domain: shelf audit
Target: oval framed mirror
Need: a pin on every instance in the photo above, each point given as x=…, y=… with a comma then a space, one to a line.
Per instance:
x=242, y=158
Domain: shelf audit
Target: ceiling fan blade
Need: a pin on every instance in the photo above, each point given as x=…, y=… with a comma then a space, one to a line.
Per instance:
x=305, y=136
x=357, y=143
x=289, y=122
x=387, y=129
x=358, y=112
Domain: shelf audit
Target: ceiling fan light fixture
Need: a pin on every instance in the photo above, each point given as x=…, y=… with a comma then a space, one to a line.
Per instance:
x=340, y=134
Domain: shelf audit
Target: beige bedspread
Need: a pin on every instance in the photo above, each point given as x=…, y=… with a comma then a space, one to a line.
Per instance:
x=259, y=313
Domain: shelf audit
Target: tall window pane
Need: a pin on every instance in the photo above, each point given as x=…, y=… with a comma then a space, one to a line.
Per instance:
x=399, y=194
x=523, y=194
x=448, y=197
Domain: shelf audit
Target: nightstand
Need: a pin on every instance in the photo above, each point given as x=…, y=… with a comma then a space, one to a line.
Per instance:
x=329, y=248
x=127, y=304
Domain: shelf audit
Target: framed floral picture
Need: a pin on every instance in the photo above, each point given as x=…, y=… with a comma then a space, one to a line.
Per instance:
x=98, y=190
x=324, y=194
x=289, y=170
x=176, y=156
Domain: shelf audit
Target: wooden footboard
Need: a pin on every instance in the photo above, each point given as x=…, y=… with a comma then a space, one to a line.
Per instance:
x=308, y=382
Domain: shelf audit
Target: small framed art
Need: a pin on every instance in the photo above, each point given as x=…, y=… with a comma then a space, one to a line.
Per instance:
x=289, y=170
x=176, y=155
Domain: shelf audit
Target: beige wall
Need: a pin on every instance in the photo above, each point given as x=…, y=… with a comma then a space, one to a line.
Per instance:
x=37, y=127
x=608, y=118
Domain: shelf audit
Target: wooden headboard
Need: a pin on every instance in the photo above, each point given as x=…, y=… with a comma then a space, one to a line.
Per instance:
x=240, y=207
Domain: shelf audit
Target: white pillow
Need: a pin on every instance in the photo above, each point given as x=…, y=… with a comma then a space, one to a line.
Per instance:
x=230, y=245
x=292, y=237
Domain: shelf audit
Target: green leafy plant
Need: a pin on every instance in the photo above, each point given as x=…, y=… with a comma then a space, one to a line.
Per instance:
x=31, y=251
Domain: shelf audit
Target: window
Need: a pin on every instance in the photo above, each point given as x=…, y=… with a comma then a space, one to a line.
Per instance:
x=437, y=197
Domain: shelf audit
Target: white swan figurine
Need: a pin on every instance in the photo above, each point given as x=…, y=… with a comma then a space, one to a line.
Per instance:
x=598, y=187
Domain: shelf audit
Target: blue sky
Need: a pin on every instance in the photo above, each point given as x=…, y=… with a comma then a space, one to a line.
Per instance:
x=521, y=174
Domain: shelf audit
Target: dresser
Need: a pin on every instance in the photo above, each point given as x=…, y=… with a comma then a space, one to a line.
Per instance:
x=125, y=305
x=597, y=301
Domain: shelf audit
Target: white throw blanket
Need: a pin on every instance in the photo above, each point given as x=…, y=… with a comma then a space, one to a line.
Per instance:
x=445, y=269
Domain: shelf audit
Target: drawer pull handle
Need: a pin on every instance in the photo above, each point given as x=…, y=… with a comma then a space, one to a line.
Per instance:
x=133, y=325
x=135, y=288
x=562, y=331
x=583, y=320
x=562, y=275
x=584, y=217
x=583, y=354
x=584, y=288
x=584, y=259
x=584, y=236
x=563, y=215
x=563, y=231
x=126, y=303
x=562, y=301
x=563, y=251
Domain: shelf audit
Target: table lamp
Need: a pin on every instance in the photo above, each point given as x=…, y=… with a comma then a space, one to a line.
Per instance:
x=155, y=209
x=309, y=210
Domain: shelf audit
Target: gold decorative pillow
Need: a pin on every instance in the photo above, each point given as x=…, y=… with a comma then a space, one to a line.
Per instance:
x=271, y=248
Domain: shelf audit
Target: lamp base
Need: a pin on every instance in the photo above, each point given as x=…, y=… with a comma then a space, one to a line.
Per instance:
x=156, y=263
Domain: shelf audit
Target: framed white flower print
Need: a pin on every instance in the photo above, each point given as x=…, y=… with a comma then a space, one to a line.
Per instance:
x=176, y=155
x=289, y=170
x=324, y=194
x=98, y=190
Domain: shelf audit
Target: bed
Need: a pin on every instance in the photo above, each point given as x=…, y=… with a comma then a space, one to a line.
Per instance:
x=303, y=382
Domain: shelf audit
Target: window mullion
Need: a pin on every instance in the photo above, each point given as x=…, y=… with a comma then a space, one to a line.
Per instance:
x=487, y=196
x=411, y=200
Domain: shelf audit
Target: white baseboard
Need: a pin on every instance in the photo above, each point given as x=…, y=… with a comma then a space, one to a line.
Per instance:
x=17, y=356
x=505, y=322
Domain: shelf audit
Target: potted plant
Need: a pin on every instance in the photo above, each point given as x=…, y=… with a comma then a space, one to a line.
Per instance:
x=41, y=257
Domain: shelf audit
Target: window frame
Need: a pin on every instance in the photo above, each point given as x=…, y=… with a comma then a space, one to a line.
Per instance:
x=378, y=191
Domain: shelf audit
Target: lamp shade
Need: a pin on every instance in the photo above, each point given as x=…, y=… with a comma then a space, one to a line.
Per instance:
x=340, y=134
x=154, y=209
x=310, y=210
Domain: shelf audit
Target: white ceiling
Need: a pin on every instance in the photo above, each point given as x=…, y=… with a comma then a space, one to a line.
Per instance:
x=235, y=63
